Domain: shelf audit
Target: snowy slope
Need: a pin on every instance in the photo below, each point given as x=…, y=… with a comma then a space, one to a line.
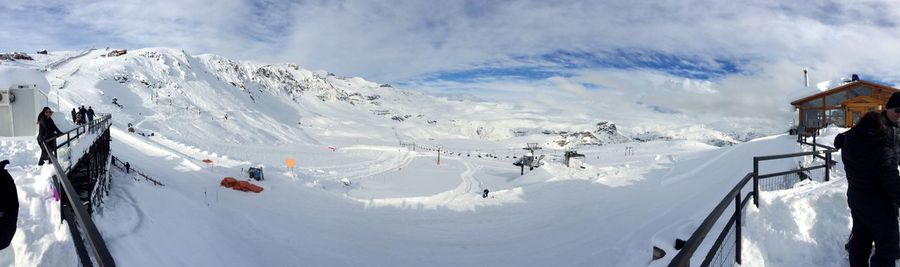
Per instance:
x=401, y=208
x=610, y=212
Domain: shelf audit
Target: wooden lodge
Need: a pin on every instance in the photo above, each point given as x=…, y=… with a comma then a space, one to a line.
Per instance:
x=841, y=106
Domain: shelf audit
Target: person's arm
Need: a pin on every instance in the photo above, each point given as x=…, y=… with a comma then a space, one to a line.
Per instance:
x=5, y=206
x=56, y=131
x=839, y=141
x=887, y=171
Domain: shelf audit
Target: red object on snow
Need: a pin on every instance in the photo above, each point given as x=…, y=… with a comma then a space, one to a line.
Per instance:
x=245, y=186
x=228, y=182
x=207, y=161
x=254, y=188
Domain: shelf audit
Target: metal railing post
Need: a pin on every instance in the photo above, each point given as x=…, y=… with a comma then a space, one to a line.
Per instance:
x=814, y=145
x=756, y=182
x=827, y=166
x=737, y=227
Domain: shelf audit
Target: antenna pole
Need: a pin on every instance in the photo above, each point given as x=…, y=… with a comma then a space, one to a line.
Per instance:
x=806, y=77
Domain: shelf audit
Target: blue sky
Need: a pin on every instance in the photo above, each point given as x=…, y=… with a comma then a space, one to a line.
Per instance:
x=685, y=56
x=566, y=63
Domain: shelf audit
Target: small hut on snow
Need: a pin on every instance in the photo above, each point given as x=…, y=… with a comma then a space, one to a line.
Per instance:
x=23, y=93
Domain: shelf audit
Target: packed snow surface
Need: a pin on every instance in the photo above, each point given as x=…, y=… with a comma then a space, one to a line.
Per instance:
x=361, y=195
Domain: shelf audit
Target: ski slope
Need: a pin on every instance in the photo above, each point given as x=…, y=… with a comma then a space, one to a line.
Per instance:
x=401, y=208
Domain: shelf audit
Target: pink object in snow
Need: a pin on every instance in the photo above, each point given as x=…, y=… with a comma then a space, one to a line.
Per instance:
x=55, y=192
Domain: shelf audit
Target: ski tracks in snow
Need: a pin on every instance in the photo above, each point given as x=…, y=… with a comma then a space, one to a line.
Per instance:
x=461, y=198
x=381, y=165
x=121, y=215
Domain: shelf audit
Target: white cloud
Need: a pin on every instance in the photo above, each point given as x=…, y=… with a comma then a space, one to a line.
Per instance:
x=392, y=41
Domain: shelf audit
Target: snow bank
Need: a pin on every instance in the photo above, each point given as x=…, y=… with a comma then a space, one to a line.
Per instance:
x=804, y=226
x=41, y=239
x=12, y=76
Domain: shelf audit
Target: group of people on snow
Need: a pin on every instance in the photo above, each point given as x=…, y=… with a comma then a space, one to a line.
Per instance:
x=871, y=155
x=83, y=116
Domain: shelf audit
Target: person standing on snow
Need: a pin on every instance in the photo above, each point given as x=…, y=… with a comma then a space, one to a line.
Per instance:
x=90, y=114
x=46, y=129
x=83, y=112
x=870, y=156
x=73, y=116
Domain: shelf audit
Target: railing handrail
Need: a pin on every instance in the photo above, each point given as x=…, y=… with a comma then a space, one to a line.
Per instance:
x=102, y=118
x=818, y=145
x=82, y=217
x=792, y=155
x=683, y=258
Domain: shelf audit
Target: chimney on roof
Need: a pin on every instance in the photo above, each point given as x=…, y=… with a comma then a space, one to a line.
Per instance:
x=854, y=77
x=806, y=76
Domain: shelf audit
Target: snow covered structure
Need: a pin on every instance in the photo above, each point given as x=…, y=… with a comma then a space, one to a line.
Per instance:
x=841, y=106
x=23, y=93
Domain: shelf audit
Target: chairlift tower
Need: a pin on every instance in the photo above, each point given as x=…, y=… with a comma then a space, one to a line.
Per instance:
x=530, y=159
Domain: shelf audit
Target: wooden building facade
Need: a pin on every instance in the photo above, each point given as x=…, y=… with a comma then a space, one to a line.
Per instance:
x=841, y=106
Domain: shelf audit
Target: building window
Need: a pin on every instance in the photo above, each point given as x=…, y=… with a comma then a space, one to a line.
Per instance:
x=836, y=117
x=858, y=91
x=812, y=118
x=813, y=103
x=836, y=99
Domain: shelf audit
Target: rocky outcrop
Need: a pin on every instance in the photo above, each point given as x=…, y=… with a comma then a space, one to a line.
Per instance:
x=604, y=133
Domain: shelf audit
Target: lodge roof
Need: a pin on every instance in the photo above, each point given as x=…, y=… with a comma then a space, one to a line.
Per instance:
x=841, y=88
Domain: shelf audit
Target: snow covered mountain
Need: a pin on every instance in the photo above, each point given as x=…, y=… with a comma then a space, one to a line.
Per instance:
x=303, y=102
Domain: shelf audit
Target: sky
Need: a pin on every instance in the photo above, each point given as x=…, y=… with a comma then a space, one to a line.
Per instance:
x=733, y=59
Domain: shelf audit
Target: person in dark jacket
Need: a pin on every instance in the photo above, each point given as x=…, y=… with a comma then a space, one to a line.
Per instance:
x=74, y=119
x=839, y=140
x=870, y=157
x=90, y=114
x=82, y=112
x=9, y=206
x=46, y=129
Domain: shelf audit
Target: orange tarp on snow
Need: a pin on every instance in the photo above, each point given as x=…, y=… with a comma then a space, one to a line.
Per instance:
x=228, y=182
x=245, y=186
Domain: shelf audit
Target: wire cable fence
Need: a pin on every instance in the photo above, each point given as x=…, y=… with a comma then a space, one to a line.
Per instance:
x=121, y=165
x=725, y=255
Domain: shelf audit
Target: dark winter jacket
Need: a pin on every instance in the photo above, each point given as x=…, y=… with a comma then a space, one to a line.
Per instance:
x=47, y=128
x=871, y=161
x=9, y=206
x=839, y=140
x=90, y=114
x=83, y=113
